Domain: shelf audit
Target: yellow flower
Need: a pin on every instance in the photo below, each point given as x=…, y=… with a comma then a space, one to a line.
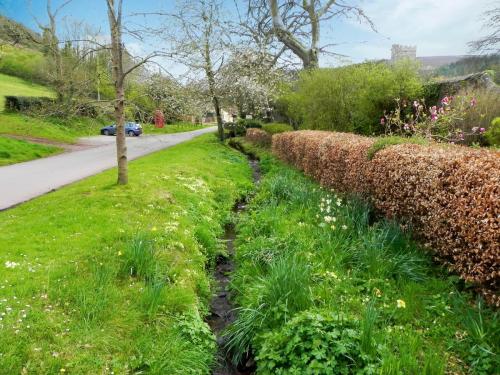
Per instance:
x=401, y=304
x=62, y=370
x=333, y=227
x=119, y=253
x=154, y=229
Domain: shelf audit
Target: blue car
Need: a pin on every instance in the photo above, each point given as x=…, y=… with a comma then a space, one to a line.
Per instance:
x=131, y=129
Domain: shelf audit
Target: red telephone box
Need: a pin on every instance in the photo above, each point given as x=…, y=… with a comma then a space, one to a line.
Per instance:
x=159, y=119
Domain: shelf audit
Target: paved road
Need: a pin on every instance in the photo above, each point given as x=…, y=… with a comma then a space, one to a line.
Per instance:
x=24, y=181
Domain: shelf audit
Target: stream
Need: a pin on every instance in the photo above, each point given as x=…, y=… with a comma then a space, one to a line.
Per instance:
x=221, y=307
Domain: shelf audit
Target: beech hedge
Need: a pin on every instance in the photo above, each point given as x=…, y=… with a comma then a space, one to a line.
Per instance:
x=259, y=137
x=449, y=195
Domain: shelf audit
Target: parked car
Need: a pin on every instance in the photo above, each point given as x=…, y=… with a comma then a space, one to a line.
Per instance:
x=131, y=129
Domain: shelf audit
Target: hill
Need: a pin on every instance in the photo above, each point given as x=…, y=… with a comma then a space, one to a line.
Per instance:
x=16, y=86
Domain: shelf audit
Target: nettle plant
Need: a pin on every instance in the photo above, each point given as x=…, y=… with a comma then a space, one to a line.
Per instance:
x=442, y=123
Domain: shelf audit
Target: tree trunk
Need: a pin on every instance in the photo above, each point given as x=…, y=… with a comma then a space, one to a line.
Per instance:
x=121, y=142
x=118, y=77
x=220, y=126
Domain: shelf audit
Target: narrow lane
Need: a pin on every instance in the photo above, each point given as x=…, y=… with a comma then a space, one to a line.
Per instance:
x=24, y=181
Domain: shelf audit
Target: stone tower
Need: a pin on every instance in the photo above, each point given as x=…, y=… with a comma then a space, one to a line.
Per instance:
x=399, y=52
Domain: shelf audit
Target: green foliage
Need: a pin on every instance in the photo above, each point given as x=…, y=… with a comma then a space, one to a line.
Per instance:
x=250, y=123
x=313, y=342
x=14, y=86
x=350, y=98
x=234, y=129
x=75, y=248
x=276, y=128
x=472, y=64
x=23, y=63
x=384, y=142
x=492, y=134
x=401, y=308
x=16, y=151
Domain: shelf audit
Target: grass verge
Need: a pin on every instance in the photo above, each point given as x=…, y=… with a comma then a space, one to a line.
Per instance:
x=16, y=151
x=69, y=130
x=325, y=288
x=100, y=278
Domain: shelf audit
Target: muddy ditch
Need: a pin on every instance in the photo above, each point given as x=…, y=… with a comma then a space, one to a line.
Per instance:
x=221, y=307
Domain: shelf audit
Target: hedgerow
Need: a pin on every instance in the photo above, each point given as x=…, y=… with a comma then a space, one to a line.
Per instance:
x=258, y=136
x=447, y=194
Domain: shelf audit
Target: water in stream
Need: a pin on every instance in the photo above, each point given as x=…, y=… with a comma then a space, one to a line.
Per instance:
x=221, y=307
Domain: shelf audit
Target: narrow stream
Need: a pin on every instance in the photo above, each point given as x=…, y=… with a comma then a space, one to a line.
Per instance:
x=221, y=307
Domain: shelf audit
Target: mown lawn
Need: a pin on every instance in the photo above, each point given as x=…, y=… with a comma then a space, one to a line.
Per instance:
x=16, y=151
x=10, y=85
x=69, y=130
x=98, y=279
x=324, y=286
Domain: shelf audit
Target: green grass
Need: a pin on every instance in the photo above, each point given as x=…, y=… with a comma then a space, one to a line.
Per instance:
x=10, y=85
x=54, y=129
x=305, y=251
x=16, y=151
x=109, y=278
x=276, y=128
x=171, y=128
x=69, y=130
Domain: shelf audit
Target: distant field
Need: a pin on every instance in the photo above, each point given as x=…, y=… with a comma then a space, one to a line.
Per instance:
x=16, y=151
x=16, y=86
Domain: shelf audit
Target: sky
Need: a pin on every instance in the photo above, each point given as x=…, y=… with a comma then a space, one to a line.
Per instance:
x=436, y=27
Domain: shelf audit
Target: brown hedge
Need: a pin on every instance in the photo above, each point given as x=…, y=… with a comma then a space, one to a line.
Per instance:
x=449, y=194
x=259, y=137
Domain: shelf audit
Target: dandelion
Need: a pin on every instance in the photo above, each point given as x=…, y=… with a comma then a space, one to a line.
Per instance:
x=154, y=229
x=119, y=253
x=401, y=304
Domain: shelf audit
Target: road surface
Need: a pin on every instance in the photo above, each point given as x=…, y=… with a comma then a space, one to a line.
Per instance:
x=24, y=181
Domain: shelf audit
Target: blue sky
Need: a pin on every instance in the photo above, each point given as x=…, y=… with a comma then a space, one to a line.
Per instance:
x=436, y=27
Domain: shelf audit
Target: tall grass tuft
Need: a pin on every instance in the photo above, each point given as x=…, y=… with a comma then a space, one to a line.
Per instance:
x=139, y=258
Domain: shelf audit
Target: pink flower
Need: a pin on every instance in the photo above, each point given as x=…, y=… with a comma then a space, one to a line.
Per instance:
x=406, y=127
x=482, y=130
x=473, y=102
x=445, y=101
x=433, y=112
x=441, y=110
x=382, y=121
x=415, y=103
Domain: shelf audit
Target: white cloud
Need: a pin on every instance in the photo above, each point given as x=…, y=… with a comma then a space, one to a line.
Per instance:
x=436, y=27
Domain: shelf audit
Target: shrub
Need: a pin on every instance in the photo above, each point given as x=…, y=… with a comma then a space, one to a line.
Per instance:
x=26, y=103
x=233, y=129
x=350, y=98
x=383, y=142
x=250, y=123
x=259, y=137
x=448, y=194
x=276, y=128
x=492, y=135
x=313, y=342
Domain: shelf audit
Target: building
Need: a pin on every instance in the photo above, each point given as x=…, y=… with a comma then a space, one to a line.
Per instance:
x=400, y=52
x=427, y=63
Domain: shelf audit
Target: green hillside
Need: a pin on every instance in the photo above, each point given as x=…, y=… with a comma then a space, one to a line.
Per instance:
x=16, y=86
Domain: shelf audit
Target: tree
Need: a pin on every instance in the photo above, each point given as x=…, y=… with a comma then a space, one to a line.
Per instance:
x=489, y=43
x=249, y=81
x=200, y=44
x=119, y=74
x=50, y=43
x=296, y=23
